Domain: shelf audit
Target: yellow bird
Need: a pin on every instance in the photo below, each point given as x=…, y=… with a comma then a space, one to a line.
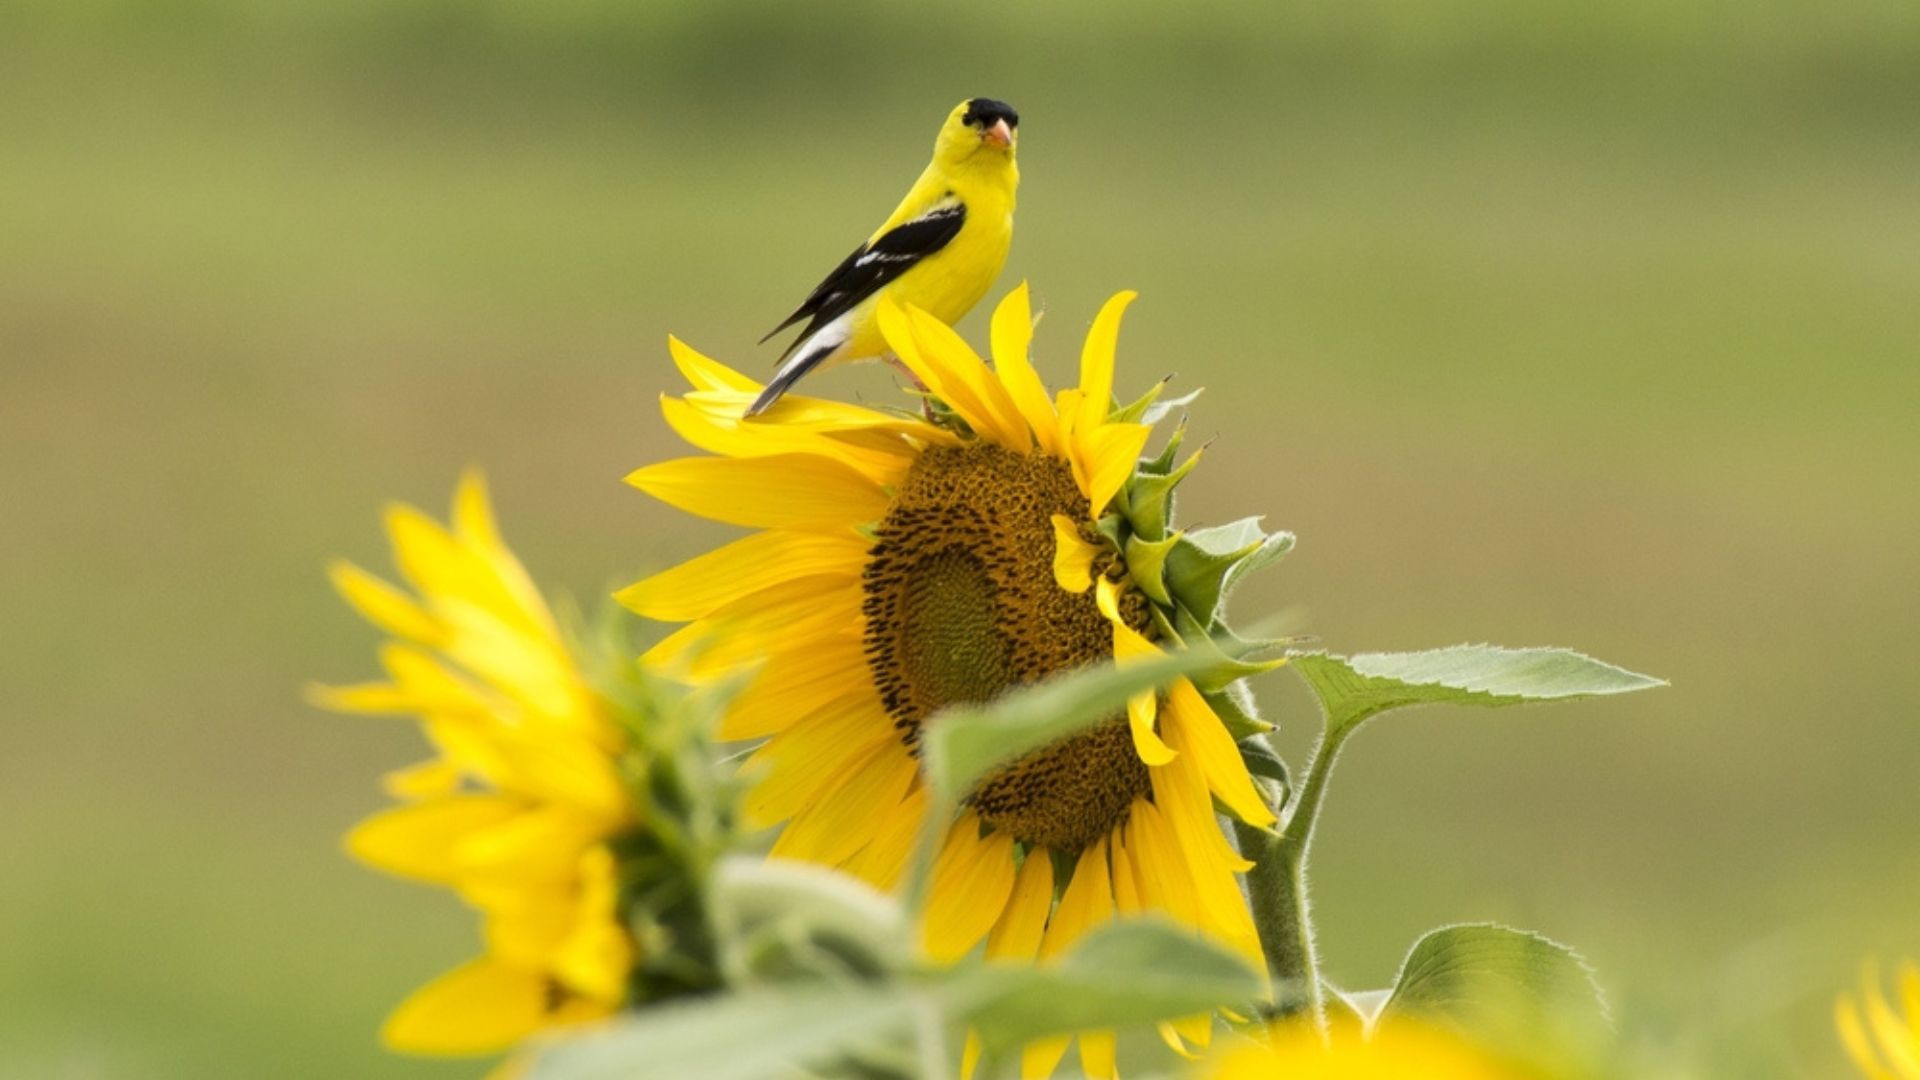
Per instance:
x=939, y=250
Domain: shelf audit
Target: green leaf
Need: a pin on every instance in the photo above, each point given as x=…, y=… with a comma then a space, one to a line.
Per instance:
x=1358, y=687
x=1496, y=983
x=1126, y=974
x=962, y=744
x=787, y=919
x=1206, y=564
x=745, y=1037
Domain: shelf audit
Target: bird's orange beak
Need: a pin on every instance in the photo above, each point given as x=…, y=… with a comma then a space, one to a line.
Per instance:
x=999, y=134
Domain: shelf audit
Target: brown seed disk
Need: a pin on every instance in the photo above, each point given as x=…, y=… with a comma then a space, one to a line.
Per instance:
x=961, y=605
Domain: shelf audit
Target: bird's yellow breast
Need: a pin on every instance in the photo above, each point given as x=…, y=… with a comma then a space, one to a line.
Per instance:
x=948, y=283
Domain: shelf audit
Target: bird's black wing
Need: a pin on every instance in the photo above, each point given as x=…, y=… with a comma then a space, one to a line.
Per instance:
x=873, y=265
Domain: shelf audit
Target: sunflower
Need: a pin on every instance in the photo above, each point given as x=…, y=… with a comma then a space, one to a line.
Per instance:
x=1885, y=1045
x=517, y=810
x=906, y=563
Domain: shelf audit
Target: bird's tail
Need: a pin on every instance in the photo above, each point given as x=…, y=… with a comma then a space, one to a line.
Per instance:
x=790, y=371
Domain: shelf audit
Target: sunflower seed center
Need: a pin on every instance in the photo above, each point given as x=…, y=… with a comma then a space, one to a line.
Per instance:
x=961, y=605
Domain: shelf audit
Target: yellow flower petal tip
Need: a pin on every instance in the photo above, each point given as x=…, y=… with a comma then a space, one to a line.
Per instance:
x=1883, y=1044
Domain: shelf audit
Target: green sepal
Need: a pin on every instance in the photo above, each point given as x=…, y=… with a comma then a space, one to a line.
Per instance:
x=1265, y=763
x=1135, y=413
x=1229, y=660
x=1114, y=528
x=1160, y=410
x=1150, y=498
x=1206, y=564
x=1162, y=463
x=1235, y=707
x=1146, y=563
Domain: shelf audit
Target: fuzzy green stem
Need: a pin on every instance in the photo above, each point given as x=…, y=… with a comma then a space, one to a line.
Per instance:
x=1277, y=886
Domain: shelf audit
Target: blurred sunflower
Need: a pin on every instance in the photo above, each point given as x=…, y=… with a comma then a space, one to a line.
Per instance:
x=516, y=811
x=1883, y=1043
x=905, y=564
x=1401, y=1051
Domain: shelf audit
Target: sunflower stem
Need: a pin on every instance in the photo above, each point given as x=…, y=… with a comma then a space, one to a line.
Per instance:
x=1277, y=886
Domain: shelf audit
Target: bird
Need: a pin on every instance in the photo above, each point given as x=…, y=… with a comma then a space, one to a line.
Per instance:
x=940, y=249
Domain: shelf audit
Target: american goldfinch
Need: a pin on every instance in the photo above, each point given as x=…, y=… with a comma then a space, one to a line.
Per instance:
x=939, y=250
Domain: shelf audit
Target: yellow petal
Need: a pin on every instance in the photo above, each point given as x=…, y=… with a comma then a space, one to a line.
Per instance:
x=794, y=615
x=696, y=588
x=1039, y=1058
x=1107, y=455
x=1197, y=1030
x=1853, y=1035
x=819, y=416
x=1210, y=863
x=431, y=559
x=527, y=921
x=1086, y=903
x=972, y=879
x=884, y=859
x=945, y=376
x=883, y=460
x=596, y=956
x=362, y=698
x=850, y=813
x=1016, y=936
x=1126, y=880
x=478, y=1008
x=796, y=766
x=797, y=682
x=1897, y=1044
x=1096, y=362
x=1066, y=405
x=419, y=840
x=1012, y=337
x=778, y=491
x=1160, y=869
x=428, y=780
x=541, y=843
x=382, y=604
x=970, y=1056
x=1072, y=556
x=705, y=373
x=1000, y=421
x=1193, y=728
x=1097, y=1056
x=534, y=670
x=572, y=771
x=1146, y=742
x=474, y=526
x=1910, y=993
x=1130, y=646
x=429, y=685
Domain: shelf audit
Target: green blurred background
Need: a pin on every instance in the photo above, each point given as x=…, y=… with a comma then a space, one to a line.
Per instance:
x=1594, y=325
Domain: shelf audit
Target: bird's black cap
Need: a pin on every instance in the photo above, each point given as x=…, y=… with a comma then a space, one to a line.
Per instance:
x=982, y=112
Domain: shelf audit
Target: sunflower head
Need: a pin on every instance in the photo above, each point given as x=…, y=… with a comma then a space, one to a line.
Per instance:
x=559, y=769
x=905, y=563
